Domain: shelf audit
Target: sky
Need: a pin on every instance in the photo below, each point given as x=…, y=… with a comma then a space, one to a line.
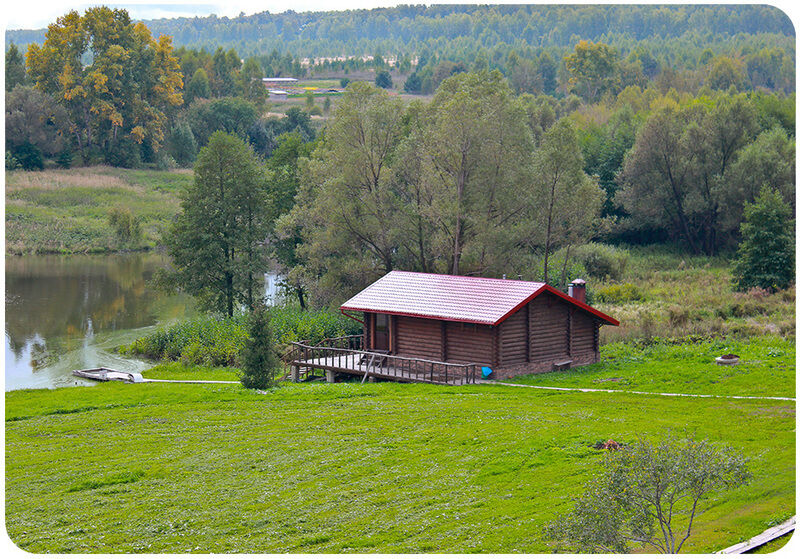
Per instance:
x=36, y=14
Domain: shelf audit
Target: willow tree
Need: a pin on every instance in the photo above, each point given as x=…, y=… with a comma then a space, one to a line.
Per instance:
x=474, y=148
x=124, y=94
x=346, y=206
x=217, y=240
x=677, y=175
x=565, y=202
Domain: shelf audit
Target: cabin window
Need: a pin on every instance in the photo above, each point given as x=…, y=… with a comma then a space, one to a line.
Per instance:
x=382, y=331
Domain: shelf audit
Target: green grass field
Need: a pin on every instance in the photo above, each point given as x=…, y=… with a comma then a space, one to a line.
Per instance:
x=767, y=368
x=348, y=467
x=66, y=211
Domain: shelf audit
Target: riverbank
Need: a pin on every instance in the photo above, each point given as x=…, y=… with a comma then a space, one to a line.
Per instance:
x=350, y=468
x=66, y=312
x=68, y=211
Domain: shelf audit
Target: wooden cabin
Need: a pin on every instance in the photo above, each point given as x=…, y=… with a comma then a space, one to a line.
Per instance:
x=511, y=326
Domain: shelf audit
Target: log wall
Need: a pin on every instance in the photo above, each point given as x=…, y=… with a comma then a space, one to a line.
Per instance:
x=583, y=334
x=545, y=331
x=514, y=338
x=549, y=328
x=419, y=337
x=469, y=343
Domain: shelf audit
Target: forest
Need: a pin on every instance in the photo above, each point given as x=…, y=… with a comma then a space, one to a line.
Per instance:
x=516, y=161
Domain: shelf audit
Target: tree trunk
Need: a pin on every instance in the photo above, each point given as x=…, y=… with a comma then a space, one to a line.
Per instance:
x=549, y=227
x=457, y=231
x=564, y=267
x=229, y=292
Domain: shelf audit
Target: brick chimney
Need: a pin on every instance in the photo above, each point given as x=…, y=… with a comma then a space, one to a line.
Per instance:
x=577, y=290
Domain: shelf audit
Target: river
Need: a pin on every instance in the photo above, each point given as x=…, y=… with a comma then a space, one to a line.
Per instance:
x=71, y=312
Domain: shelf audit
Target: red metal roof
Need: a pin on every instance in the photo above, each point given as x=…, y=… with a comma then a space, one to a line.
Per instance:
x=453, y=298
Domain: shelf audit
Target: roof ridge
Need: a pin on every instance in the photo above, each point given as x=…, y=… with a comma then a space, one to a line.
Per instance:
x=462, y=276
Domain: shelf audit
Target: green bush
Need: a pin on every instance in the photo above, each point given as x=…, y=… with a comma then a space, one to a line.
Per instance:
x=64, y=159
x=217, y=342
x=12, y=163
x=29, y=156
x=127, y=227
x=259, y=361
x=603, y=261
x=765, y=257
x=383, y=79
x=555, y=269
x=619, y=293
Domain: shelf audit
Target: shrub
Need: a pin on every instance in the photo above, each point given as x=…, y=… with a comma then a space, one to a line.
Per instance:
x=383, y=79
x=619, y=293
x=555, y=269
x=123, y=152
x=603, y=261
x=181, y=144
x=64, y=159
x=344, y=82
x=126, y=226
x=632, y=498
x=315, y=110
x=216, y=342
x=12, y=163
x=258, y=357
x=29, y=157
x=766, y=254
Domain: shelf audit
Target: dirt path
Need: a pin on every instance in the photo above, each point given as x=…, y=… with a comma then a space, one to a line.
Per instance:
x=783, y=398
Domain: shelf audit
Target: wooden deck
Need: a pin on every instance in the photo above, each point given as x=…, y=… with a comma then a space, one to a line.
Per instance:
x=366, y=364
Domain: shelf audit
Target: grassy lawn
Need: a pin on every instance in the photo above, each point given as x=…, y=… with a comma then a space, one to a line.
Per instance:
x=176, y=371
x=348, y=467
x=767, y=368
x=67, y=211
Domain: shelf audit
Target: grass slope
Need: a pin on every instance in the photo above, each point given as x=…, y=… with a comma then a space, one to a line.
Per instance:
x=767, y=368
x=349, y=467
x=67, y=210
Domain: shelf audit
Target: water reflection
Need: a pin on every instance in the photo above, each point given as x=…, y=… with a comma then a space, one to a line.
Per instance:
x=68, y=312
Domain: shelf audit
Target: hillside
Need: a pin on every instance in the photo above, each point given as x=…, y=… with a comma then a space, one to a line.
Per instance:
x=675, y=34
x=68, y=211
x=351, y=468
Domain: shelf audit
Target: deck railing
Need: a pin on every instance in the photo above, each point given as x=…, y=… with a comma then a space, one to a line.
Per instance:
x=355, y=342
x=371, y=363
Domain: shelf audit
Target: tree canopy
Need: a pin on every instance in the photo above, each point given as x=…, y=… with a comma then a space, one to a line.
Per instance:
x=124, y=92
x=217, y=241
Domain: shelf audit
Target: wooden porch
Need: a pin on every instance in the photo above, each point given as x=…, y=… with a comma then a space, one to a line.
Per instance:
x=345, y=356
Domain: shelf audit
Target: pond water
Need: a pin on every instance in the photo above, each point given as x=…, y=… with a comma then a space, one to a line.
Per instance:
x=70, y=312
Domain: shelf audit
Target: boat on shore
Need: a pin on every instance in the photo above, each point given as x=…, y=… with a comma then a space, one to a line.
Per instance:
x=103, y=374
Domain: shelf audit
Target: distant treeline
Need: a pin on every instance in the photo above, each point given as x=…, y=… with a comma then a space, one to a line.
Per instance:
x=484, y=36
x=406, y=28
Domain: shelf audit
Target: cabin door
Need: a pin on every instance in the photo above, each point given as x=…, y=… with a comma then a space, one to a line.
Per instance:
x=381, y=332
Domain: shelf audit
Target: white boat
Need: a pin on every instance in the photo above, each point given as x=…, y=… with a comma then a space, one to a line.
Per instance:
x=103, y=374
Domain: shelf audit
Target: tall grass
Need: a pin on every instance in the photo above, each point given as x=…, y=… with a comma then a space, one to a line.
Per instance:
x=66, y=211
x=666, y=294
x=217, y=341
